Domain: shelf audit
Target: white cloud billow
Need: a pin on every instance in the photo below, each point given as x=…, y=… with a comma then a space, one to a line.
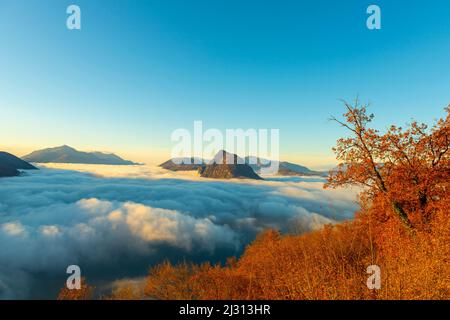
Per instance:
x=114, y=221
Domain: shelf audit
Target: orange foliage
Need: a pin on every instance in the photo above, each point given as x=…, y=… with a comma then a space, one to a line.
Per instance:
x=126, y=292
x=169, y=282
x=326, y=264
x=407, y=169
x=84, y=293
x=403, y=227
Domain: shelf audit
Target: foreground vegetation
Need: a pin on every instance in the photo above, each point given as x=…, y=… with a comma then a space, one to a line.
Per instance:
x=403, y=227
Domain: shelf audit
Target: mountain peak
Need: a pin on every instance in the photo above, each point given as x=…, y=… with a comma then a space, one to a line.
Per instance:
x=227, y=165
x=225, y=157
x=67, y=154
x=63, y=147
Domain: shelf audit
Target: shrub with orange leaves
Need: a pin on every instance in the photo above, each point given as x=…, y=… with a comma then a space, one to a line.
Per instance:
x=125, y=292
x=326, y=264
x=403, y=227
x=84, y=293
x=407, y=169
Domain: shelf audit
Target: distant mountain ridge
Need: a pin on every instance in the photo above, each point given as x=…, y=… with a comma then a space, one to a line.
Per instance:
x=183, y=164
x=257, y=165
x=284, y=168
x=10, y=165
x=66, y=154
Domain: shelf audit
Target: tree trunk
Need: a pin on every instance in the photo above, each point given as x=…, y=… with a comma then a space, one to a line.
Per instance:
x=402, y=214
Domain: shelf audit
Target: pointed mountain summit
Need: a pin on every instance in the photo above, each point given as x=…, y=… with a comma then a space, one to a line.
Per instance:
x=281, y=168
x=224, y=157
x=66, y=154
x=226, y=165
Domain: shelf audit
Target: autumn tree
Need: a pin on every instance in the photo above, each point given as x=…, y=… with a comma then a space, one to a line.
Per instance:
x=405, y=177
x=86, y=292
x=407, y=168
x=124, y=292
x=168, y=282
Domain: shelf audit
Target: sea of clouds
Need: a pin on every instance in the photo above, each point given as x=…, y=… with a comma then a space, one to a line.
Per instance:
x=117, y=221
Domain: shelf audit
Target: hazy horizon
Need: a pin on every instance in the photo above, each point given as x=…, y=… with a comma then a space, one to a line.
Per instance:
x=318, y=162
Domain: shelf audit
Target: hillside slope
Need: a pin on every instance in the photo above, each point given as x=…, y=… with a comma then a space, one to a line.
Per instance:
x=66, y=154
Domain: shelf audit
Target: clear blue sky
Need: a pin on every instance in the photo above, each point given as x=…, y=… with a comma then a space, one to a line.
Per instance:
x=139, y=69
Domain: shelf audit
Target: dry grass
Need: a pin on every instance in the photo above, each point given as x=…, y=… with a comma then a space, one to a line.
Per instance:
x=326, y=264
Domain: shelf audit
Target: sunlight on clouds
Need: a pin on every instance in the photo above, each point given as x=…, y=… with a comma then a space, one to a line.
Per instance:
x=14, y=228
x=131, y=217
x=136, y=171
x=49, y=230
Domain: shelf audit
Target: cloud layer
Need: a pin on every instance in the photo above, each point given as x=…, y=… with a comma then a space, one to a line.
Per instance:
x=115, y=222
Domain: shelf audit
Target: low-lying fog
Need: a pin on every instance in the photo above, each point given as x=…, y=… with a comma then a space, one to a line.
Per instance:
x=117, y=221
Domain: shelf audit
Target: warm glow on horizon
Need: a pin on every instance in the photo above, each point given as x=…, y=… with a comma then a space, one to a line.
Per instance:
x=158, y=156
